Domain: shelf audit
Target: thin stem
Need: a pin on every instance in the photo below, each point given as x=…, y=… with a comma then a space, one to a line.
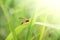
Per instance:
x=6, y=13
x=32, y=21
x=43, y=30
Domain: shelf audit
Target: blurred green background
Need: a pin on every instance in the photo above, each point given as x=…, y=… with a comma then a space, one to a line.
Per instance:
x=44, y=11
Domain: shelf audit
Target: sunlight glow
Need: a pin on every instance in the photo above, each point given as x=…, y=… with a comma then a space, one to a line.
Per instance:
x=52, y=6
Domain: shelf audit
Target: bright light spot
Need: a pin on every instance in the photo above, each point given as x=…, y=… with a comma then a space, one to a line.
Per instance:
x=48, y=7
x=52, y=6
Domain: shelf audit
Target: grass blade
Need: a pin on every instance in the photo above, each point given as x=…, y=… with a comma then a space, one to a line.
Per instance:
x=6, y=13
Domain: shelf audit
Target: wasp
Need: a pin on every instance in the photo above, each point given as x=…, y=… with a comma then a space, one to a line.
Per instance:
x=26, y=20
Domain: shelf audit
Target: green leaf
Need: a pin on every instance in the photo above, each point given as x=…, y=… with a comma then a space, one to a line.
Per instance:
x=17, y=30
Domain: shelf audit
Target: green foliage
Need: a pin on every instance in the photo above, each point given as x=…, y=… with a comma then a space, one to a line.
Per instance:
x=12, y=29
